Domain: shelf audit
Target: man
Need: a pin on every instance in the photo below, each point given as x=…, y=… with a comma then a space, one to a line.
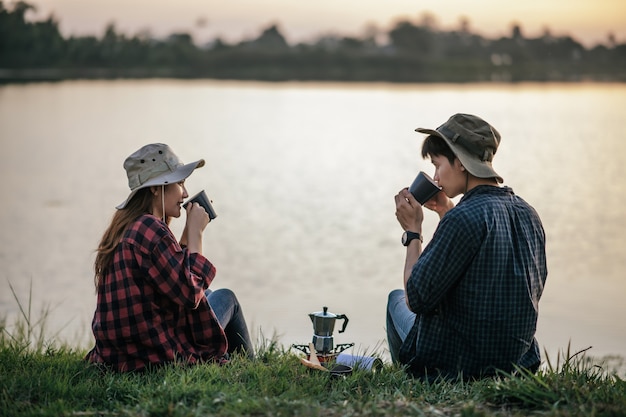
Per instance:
x=470, y=301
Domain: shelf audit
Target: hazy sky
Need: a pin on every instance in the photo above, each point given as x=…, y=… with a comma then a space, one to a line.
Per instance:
x=588, y=21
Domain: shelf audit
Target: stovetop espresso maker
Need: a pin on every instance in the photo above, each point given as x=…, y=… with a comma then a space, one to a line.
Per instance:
x=323, y=326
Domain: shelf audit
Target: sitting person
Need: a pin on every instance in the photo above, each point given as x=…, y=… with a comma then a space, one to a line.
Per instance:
x=470, y=301
x=154, y=305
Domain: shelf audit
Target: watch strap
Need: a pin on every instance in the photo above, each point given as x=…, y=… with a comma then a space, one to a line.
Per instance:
x=409, y=236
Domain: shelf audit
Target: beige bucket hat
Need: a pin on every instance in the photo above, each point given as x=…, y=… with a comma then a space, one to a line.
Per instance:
x=155, y=164
x=473, y=141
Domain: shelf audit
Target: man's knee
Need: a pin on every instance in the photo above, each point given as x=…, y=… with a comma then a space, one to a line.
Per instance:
x=394, y=297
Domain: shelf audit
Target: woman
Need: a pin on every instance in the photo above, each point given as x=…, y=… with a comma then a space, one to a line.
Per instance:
x=153, y=303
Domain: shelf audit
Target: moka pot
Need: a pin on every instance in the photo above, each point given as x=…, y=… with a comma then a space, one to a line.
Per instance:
x=323, y=327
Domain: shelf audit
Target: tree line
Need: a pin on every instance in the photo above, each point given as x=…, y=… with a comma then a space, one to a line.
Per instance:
x=414, y=52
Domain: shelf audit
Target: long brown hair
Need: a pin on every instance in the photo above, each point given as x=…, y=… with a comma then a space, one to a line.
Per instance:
x=140, y=204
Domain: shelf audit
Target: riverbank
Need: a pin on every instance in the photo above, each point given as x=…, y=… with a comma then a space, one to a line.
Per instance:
x=409, y=52
x=277, y=74
x=44, y=380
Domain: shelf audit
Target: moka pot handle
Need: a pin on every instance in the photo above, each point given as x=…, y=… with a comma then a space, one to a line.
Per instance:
x=345, y=322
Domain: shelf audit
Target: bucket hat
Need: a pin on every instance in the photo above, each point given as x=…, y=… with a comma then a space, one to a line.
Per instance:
x=473, y=141
x=155, y=164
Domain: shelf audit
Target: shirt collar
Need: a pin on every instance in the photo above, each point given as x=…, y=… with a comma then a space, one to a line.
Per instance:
x=486, y=189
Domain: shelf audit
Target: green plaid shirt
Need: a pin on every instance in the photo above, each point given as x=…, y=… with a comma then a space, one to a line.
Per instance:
x=476, y=288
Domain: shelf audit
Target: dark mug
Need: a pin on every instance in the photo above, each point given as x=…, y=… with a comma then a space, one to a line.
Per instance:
x=202, y=199
x=423, y=188
x=340, y=371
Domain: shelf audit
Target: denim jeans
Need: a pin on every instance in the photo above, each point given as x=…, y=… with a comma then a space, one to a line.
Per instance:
x=229, y=314
x=400, y=320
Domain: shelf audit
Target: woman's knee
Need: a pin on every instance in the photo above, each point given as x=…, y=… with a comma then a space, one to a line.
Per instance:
x=226, y=297
x=225, y=293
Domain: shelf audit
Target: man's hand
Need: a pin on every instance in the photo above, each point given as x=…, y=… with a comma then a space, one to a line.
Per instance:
x=410, y=215
x=408, y=211
x=440, y=204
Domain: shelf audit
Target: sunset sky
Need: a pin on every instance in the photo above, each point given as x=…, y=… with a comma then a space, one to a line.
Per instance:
x=588, y=21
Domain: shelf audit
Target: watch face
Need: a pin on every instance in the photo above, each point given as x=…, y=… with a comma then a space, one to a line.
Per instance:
x=404, y=238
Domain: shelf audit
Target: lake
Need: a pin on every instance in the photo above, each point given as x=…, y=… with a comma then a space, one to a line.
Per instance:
x=302, y=176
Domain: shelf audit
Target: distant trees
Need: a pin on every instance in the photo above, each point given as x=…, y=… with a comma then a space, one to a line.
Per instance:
x=410, y=39
x=413, y=52
x=28, y=44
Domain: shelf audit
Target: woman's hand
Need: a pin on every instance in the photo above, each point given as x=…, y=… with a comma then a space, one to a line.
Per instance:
x=197, y=217
x=197, y=220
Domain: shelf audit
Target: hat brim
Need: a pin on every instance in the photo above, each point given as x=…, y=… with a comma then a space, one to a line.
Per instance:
x=476, y=167
x=180, y=174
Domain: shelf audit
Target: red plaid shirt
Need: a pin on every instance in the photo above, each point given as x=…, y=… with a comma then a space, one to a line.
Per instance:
x=151, y=306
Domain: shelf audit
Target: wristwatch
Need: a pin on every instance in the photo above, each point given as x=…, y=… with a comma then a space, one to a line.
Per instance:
x=408, y=236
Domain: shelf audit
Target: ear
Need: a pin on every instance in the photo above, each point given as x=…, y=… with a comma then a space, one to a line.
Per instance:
x=154, y=190
x=458, y=164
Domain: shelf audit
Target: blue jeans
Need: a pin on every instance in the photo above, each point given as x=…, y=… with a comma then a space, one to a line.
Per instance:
x=229, y=314
x=400, y=320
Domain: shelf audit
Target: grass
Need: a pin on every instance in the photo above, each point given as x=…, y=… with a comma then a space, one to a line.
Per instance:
x=40, y=378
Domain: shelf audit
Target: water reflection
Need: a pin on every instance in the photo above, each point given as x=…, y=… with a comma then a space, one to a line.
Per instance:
x=303, y=178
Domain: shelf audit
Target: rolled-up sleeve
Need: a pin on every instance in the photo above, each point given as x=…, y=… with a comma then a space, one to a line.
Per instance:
x=442, y=263
x=182, y=276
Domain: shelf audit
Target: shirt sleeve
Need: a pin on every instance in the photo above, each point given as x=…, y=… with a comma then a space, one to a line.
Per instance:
x=442, y=263
x=181, y=276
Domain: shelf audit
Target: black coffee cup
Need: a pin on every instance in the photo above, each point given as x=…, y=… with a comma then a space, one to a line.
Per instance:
x=339, y=371
x=423, y=188
x=202, y=199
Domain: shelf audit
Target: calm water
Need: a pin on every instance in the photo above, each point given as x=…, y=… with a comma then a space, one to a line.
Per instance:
x=303, y=177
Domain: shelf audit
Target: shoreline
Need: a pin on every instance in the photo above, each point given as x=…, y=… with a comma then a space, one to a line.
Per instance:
x=26, y=75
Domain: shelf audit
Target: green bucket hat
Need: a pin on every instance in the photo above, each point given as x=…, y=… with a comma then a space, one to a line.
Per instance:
x=155, y=164
x=473, y=141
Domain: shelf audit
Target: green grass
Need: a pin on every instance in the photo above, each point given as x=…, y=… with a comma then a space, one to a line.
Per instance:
x=40, y=378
